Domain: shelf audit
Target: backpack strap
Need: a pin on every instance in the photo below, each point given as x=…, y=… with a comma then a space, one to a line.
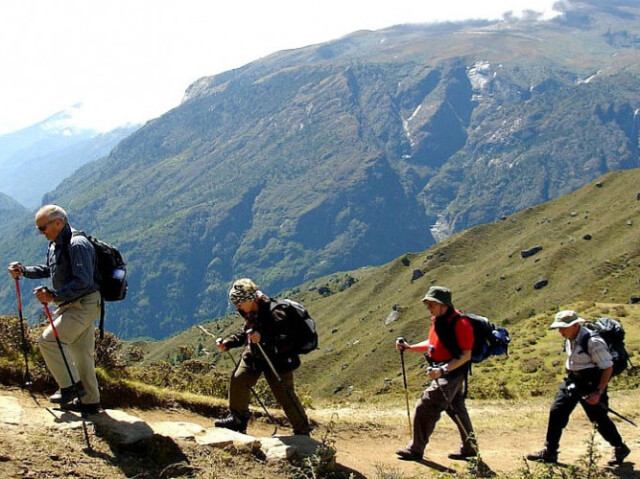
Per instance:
x=584, y=342
x=102, y=308
x=446, y=332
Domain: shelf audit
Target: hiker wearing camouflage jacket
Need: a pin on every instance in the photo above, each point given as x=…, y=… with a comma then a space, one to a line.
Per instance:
x=588, y=374
x=71, y=267
x=265, y=332
x=448, y=348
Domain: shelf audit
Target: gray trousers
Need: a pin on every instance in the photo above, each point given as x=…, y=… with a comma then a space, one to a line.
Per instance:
x=246, y=377
x=434, y=400
x=76, y=333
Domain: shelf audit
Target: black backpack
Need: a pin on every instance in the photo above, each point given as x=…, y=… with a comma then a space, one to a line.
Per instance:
x=612, y=332
x=304, y=334
x=488, y=338
x=111, y=273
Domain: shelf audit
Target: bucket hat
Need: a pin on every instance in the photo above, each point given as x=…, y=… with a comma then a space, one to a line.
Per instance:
x=565, y=319
x=439, y=294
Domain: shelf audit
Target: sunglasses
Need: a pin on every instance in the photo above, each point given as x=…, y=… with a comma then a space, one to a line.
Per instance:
x=44, y=226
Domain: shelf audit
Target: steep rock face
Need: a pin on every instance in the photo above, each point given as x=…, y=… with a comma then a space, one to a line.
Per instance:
x=351, y=153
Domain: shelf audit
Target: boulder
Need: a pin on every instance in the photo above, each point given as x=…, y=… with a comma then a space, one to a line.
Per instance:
x=531, y=251
x=391, y=317
x=541, y=283
x=121, y=427
x=294, y=447
x=177, y=429
x=221, y=437
x=10, y=411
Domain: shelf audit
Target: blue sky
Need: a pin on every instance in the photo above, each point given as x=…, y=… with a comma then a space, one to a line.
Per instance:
x=132, y=60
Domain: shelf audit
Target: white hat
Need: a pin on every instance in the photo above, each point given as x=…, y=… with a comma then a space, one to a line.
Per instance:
x=565, y=319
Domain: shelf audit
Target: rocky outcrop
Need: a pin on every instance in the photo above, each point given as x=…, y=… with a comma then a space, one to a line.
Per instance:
x=530, y=251
x=126, y=431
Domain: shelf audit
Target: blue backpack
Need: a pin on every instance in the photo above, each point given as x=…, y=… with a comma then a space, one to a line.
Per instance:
x=488, y=338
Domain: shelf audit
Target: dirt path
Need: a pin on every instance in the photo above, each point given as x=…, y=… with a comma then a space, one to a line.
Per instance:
x=367, y=437
x=506, y=432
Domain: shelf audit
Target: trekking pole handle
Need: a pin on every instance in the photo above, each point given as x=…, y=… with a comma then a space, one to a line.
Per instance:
x=43, y=294
x=251, y=336
x=405, y=344
x=15, y=269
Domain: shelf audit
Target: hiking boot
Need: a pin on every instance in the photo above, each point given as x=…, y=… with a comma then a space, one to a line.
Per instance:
x=619, y=455
x=233, y=423
x=408, y=455
x=462, y=454
x=544, y=455
x=83, y=408
x=68, y=394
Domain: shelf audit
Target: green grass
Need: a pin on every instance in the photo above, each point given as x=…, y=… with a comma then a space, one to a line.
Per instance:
x=488, y=276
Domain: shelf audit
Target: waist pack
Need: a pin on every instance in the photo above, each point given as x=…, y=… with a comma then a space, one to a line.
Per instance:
x=111, y=273
x=303, y=327
x=612, y=332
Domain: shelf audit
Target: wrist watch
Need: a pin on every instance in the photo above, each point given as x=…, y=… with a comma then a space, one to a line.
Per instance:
x=444, y=369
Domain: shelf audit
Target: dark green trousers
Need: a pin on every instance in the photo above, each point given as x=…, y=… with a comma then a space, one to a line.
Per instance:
x=246, y=377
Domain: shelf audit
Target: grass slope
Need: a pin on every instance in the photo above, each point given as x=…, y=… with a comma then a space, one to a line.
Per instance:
x=488, y=276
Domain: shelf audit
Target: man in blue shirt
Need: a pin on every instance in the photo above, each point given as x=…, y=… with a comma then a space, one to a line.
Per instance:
x=71, y=265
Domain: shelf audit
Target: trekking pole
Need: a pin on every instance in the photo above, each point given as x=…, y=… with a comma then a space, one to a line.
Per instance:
x=255, y=395
x=66, y=363
x=615, y=413
x=253, y=391
x=28, y=382
x=275, y=373
x=450, y=407
x=619, y=415
x=404, y=379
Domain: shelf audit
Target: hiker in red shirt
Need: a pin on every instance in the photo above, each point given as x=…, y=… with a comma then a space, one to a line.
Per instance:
x=448, y=350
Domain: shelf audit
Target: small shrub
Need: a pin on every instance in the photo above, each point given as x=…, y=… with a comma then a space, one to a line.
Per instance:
x=531, y=365
x=321, y=464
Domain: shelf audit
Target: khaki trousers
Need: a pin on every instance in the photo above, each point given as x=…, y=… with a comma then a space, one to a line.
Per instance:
x=245, y=378
x=76, y=333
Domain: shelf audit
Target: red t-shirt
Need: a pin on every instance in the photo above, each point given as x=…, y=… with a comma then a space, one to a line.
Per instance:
x=464, y=334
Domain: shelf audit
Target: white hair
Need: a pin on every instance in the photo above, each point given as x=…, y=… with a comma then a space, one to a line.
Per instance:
x=53, y=212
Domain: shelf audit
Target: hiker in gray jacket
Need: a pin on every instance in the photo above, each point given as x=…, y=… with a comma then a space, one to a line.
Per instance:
x=588, y=374
x=70, y=265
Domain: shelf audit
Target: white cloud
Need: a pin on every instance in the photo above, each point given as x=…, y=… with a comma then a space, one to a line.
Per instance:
x=131, y=60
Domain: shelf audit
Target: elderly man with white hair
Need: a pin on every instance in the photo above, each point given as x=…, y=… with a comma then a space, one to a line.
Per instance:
x=589, y=367
x=71, y=269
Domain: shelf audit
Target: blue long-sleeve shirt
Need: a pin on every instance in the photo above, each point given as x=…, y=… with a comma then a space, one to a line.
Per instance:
x=70, y=264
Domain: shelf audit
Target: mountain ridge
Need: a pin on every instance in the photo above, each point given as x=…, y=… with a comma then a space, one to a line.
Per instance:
x=35, y=159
